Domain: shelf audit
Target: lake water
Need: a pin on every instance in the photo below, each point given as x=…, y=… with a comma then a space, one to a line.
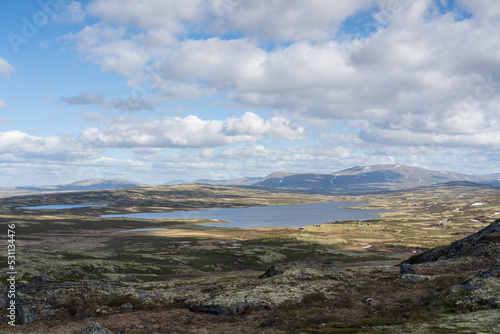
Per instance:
x=269, y=216
x=60, y=207
x=144, y=229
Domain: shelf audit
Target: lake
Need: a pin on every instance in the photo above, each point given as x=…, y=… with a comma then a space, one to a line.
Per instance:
x=61, y=207
x=269, y=216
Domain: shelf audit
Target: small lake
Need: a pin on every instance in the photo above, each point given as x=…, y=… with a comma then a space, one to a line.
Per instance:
x=61, y=207
x=144, y=229
x=269, y=216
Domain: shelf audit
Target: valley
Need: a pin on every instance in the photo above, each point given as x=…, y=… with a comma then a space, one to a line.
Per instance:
x=75, y=268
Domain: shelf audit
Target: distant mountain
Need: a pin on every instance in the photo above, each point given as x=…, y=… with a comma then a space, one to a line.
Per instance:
x=360, y=179
x=493, y=179
x=84, y=185
x=87, y=185
x=174, y=182
x=242, y=181
x=366, y=179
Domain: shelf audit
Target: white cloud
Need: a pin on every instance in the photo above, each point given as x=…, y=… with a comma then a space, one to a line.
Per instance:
x=402, y=68
x=268, y=20
x=293, y=20
x=69, y=12
x=107, y=47
x=3, y=105
x=255, y=160
x=169, y=14
x=190, y=132
x=6, y=69
x=421, y=77
x=24, y=146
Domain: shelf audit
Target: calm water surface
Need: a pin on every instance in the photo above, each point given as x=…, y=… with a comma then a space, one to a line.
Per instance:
x=60, y=207
x=144, y=229
x=270, y=216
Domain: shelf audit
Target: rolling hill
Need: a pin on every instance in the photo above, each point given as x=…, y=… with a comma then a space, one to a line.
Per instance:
x=83, y=185
x=362, y=179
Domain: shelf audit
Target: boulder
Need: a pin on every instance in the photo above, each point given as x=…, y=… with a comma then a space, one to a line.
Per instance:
x=25, y=314
x=44, y=278
x=127, y=305
x=493, y=272
x=369, y=301
x=413, y=278
x=406, y=268
x=303, y=270
x=95, y=328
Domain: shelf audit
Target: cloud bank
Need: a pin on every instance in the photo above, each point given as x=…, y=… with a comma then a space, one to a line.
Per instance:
x=314, y=85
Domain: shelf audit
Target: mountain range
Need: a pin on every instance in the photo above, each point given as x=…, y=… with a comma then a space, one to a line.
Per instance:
x=360, y=179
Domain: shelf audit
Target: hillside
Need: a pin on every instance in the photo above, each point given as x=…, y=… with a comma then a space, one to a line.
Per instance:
x=367, y=179
x=99, y=184
x=359, y=179
x=83, y=185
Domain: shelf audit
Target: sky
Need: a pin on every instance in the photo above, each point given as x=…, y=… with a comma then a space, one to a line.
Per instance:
x=160, y=90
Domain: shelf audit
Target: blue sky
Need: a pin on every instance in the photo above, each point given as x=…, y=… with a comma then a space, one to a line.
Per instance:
x=154, y=91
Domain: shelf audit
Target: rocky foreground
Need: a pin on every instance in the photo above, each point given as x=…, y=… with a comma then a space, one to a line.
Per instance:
x=449, y=289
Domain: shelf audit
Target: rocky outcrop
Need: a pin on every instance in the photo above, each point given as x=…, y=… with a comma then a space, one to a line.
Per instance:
x=413, y=278
x=95, y=328
x=267, y=292
x=483, y=288
x=42, y=298
x=283, y=284
x=481, y=246
x=232, y=309
x=303, y=270
x=407, y=268
x=493, y=272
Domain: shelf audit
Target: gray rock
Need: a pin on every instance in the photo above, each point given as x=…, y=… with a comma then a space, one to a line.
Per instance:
x=369, y=301
x=406, y=268
x=25, y=314
x=3, y=301
x=44, y=278
x=233, y=309
x=380, y=328
x=413, y=278
x=493, y=272
x=127, y=305
x=495, y=302
x=95, y=328
x=300, y=269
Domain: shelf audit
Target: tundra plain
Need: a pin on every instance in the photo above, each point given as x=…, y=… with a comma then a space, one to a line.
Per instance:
x=75, y=268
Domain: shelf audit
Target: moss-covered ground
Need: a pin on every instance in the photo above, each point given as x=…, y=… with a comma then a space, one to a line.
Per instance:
x=193, y=267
